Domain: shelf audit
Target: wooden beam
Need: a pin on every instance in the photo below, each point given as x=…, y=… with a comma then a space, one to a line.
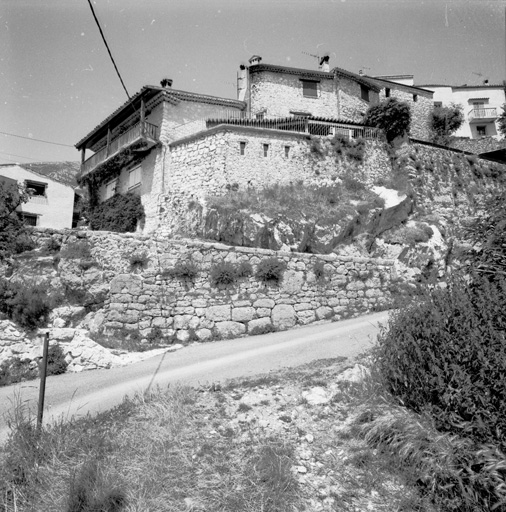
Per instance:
x=83, y=155
x=143, y=117
x=108, y=139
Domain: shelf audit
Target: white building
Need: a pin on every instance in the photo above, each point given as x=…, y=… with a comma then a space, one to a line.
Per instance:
x=51, y=204
x=481, y=104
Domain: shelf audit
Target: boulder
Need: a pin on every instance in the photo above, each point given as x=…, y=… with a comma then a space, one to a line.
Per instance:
x=283, y=316
x=229, y=329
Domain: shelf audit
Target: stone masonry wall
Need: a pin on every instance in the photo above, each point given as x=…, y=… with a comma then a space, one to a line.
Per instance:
x=351, y=106
x=141, y=299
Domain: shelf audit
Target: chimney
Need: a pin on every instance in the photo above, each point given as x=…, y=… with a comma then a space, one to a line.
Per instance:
x=361, y=72
x=485, y=82
x=242, y=83
x=166, y=82
x=324, y=64
x=255, y=60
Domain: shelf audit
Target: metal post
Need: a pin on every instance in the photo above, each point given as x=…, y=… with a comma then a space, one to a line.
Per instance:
x=42, y=390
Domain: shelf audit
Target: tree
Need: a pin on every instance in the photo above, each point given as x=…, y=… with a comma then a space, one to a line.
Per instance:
x=444, y=122
x=392, y=116
x=11, y=225
x=502, y=121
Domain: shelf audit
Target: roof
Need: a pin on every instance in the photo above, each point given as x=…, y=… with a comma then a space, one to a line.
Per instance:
x=309, y=73
x=146, y=93
x=281, y=120
x=382, y=82
x=465, y=86
x=61, y=172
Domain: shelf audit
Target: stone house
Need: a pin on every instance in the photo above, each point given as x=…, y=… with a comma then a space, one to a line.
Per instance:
x=51, y=203
x=174, y=148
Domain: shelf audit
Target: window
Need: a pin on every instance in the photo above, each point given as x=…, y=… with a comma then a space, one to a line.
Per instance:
x=415, y=97
x=134, y=178
x=310, y=88
x=266, y=150
x=287, y=151
x=110, y=189
x=387, y=92
x=479, y=109
x=438, y=104
x=29, y=219
x=364, y=92
x=242, y=148
x=36, y=188
x=481, y=131
x=260, y=116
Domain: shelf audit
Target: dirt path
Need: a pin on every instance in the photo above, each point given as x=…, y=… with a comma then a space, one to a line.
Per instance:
x=94, y=391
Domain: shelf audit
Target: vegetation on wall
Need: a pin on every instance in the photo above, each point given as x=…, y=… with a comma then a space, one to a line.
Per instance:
x=13, y=233
x=270, y=270
x=392, y=116
x=121, y=214
x=225, y=272
x=444, y=122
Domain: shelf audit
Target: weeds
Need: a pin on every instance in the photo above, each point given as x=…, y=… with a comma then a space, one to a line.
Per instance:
x=270, y=270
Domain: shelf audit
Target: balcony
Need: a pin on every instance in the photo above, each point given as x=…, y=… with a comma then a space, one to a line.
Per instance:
x=140, y=132
x=480, y=115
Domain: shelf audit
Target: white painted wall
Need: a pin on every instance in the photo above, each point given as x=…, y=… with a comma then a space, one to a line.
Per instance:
x=55, y=209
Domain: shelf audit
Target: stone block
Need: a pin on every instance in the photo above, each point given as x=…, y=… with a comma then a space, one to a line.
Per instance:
x=219, y=313
x=283, y=316
x=243, y=314
x=203, y=334
x=182, y=321
x=263, y=312
x=260, y=326
x=230, y=329
x=324, y=312
x=306, y=317
x=264, y=303
x=302, y=306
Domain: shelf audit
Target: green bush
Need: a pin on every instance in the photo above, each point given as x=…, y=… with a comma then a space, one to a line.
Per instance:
x=139, y=260
x=445, y=353
x=121, y=214
x=27, y=305
x=16, y=370
x=77, y=251
x=392, y=116
x=186, y=269
x=223, y=272
x=270, y=270
x=244, y=269
x=56, y=364
x=24, y=243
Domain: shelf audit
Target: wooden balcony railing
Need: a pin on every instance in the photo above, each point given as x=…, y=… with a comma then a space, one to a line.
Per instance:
x=476, y=114
x=137, y=133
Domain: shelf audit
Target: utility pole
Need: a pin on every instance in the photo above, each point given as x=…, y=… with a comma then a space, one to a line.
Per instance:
x=42, y=389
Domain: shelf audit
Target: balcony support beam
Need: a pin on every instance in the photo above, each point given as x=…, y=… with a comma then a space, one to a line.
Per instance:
x=108, y=139
x=143, y=117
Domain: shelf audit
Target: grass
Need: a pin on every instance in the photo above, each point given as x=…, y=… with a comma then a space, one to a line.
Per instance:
x=187, y=449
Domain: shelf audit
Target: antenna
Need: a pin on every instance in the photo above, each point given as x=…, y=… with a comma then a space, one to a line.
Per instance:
x=312, y=55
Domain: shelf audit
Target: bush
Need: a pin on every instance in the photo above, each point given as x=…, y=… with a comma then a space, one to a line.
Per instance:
x=319, y=270
x=56, y=364
x=270, y=270
x=11, y=224
x=139, y=260
x=24, y=243
x=223, y=273
x=445, y=353
x=121, y=214
x=29, y=306
x=392, y=116
x=186, y=269
x=244, y=269
x=444, y=121
x=77, y=251
x=16, y=370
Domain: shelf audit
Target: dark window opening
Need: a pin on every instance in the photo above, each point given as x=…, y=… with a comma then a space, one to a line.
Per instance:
x=242, y=147
x=387, y=93
x=35, y=188
x=481, y=131
x=438, y=104
x=266, y=149
x=29, y=219
x=415, y=97
x=364, y=92
x=260, y=116
x=287, y=151
x=310, y=88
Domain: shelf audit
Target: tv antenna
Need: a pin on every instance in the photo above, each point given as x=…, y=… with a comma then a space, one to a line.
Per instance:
x=313, y=55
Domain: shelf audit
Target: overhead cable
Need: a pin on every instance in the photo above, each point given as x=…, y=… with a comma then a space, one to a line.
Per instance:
x=38, y=140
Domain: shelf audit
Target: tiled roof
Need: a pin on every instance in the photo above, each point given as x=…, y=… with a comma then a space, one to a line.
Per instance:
x=415, y=89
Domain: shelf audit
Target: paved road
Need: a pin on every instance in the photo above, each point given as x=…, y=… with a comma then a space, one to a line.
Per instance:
x=76, y=394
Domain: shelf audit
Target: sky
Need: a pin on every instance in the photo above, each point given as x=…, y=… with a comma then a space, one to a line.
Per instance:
x=57, y=81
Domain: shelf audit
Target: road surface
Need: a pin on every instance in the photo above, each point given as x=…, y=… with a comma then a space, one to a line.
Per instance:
x=76, y=394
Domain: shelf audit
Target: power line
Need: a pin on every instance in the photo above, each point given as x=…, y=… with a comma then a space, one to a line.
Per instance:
x=19, y=156
x=107, y=46
x=38, y=140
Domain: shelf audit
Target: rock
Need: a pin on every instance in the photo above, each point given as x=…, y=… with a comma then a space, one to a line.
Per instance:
x=203, y=334
x=65, y=334
x=230, y=329
x=324, y=312
x=283, y=316
x=292, y=281
x=93, y=322
x=219, y=313
x=260, y=326
x=356, y=374
x=301, y=469
x=316, y=396
x=243, y=314
x=264, y=303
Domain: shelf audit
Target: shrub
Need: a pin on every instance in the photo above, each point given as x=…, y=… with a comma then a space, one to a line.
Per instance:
x=244, y=269
x=11, y=224
x=52, y=246
x=16, y=370
x=121, y=214
x=56, y=364
x=270, y=270
x=27, y=305
x=444, y=121
x=76, y=251
x=392, y=116
x=223, y=273
x=185, y=269
x=319, y=270
x=445, y=353
x=24, y=243
x=139, y=260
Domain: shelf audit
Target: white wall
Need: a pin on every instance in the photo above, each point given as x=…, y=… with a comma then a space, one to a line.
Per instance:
x=55, y=209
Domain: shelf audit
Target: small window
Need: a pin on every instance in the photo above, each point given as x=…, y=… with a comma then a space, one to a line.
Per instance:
x=287, y=151
x=387, y=92
x=481, y=131
x=134, y=178
x=110, y=189
x=29, y=219
x=36, y=188
x=260, y=116
x=415, y=97
x=266, y=150
x=438, y=104
x=242, y=148
x=364, y=92
x=310, y=88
